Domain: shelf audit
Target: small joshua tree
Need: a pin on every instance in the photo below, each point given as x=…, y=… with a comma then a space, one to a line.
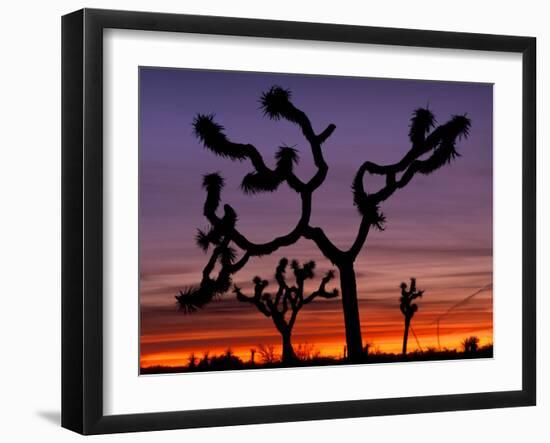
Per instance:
x=431, y=148
x=408, y=308
x=470, y=344
x=283, y=306
x=252, y=356
x=192, y=359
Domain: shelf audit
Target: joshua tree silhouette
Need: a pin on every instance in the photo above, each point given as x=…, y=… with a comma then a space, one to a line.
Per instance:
x=252, y=356
x=470, y=344
x=438, y=145
x=408, y=308
x=288, y=299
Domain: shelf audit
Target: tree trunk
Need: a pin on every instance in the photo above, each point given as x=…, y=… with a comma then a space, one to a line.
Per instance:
x=288, y=351
x=348, y=286
x=406, y=335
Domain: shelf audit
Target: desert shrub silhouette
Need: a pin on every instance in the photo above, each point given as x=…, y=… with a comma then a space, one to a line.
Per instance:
x=268, y=354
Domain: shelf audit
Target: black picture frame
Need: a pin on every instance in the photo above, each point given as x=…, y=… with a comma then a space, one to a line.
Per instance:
x=82, y=218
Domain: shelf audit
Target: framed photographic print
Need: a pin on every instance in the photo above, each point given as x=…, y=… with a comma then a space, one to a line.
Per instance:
x=342, y=215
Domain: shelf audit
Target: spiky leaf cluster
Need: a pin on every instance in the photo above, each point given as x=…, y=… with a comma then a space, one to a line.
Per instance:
x=213, y=184
x=264, y=181
x=267, y=180
x=303, y=272
x=422, y=122
x=205, y=238
x=445, y=151
x=213, y=138
x=193, y=298
x=276, y=104
x=366, y=206
x=227, y=255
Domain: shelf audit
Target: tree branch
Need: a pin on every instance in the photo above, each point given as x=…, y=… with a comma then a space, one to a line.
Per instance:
x=262, y=179
x=276, y=104
x=258, y=299
x=407, y=296
x=441, y=142
x=213, y=183
x=322, y=292
x=328, y=249
x=360, y=239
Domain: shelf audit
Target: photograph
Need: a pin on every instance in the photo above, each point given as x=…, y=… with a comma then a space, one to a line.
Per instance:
x=292, y=220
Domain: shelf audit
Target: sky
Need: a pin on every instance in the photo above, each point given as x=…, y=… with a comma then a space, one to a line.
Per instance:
x=438, y=228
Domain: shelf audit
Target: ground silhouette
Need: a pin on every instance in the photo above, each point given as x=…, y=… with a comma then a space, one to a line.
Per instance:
x=229, y=361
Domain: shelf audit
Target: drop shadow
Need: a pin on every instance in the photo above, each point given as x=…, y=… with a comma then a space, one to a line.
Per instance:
x=53, y=417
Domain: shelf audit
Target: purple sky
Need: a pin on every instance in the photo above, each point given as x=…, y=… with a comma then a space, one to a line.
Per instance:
x=439, y=228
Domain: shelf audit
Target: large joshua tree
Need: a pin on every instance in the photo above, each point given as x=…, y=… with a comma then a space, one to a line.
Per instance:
x=408, y=308
x=284, y=305
x=431, y=148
